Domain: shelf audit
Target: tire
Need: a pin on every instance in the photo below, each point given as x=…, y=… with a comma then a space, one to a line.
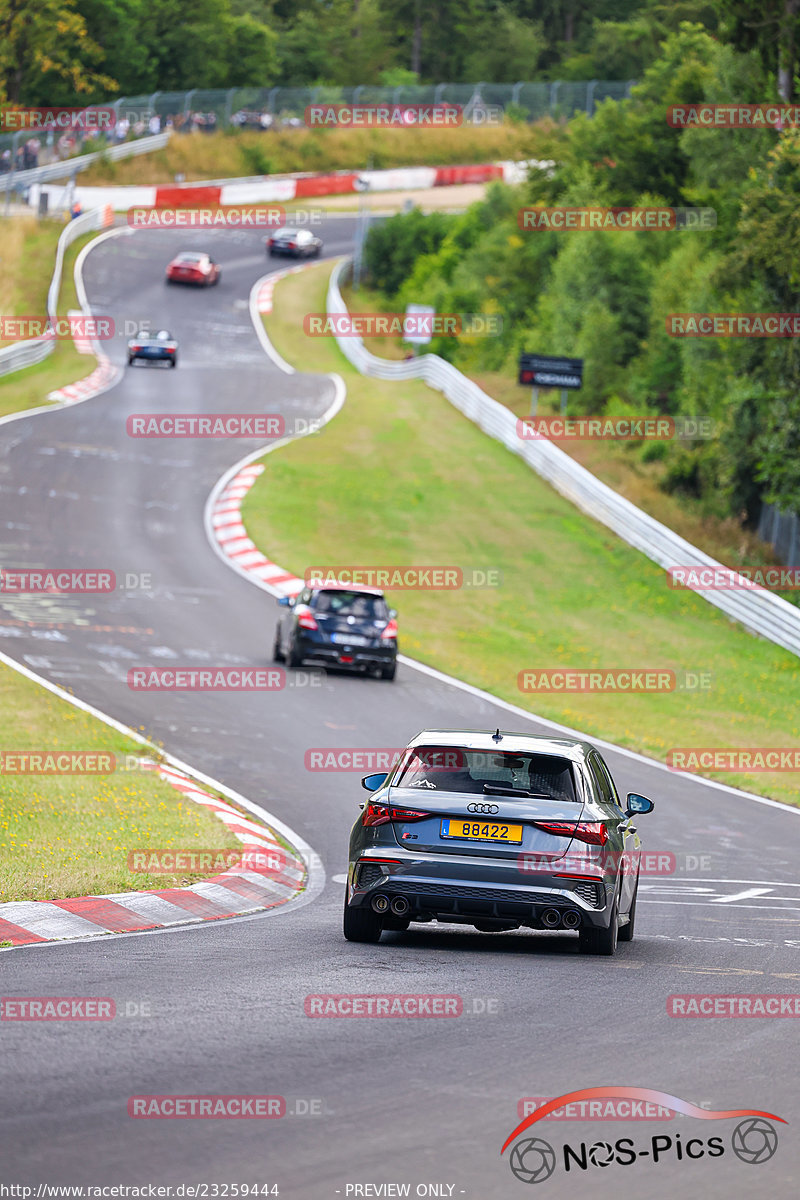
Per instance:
x=277, y=654
x=626, y=931
x=173, y=362
x=361, y=924
x=293, y=659
x=389, y=672
x=601, y=941
x=131, y=359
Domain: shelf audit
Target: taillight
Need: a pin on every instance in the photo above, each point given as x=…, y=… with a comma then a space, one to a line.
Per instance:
x=305, y=619
x=594, y=833
x=136, y=349
x=375, y=814
x=390, y=631
x=380, y=814
x=292, y=245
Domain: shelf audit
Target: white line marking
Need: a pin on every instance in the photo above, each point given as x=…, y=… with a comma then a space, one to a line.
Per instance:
x=751, y=892
x=705, y=903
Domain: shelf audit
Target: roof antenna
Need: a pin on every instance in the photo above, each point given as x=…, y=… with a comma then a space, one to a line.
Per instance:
x=497, y=735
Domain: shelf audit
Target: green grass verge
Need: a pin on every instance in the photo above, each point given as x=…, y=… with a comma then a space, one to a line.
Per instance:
x=70, y=835
x=29, y=388
x=401, y=477
x=231, y=155
x=623, y=466
x=27, y=254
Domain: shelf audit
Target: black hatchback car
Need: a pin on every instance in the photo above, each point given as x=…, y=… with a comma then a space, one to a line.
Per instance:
x=294, y=243
x=338, y=626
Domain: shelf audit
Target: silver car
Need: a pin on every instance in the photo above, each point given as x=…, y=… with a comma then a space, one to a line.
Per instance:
x=496, y=830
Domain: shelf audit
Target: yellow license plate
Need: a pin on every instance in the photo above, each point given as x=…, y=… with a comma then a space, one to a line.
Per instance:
x=481, y=831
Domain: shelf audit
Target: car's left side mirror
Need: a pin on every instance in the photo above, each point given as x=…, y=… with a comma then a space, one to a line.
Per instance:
x=372, y=782
x=285, y=601
x=638, y=804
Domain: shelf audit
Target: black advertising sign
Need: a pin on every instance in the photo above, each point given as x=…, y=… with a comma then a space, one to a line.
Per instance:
x=542, y=370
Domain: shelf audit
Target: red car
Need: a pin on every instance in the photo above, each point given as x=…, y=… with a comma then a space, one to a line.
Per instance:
x=192, y=267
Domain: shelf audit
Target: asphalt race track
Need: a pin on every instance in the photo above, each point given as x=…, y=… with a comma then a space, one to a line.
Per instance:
x=383, y=1101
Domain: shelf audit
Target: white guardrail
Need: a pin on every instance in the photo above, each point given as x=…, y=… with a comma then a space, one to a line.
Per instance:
x=25, y=354
x=760, y=611
x=65, y=168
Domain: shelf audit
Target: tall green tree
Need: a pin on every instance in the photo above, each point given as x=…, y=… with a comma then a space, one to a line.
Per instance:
x=44, y=45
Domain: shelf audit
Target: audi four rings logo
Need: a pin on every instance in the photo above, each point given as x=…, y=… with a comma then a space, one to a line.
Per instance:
x=482, y=808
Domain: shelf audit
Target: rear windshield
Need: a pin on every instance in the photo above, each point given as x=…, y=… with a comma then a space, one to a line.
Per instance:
x=188, y=257
x=363, y=606
x=453, y=769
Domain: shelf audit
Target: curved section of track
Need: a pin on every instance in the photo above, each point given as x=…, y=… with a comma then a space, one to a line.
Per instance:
x=401, y=1101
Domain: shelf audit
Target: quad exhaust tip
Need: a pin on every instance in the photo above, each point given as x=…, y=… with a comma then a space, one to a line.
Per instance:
x=400, y=906
x=572, y=919
x=551, y=918
x=380, y=903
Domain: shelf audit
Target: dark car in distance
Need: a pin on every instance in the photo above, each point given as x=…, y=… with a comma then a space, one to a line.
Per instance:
x=153, y=347
x=294, y=243
x=338, y=625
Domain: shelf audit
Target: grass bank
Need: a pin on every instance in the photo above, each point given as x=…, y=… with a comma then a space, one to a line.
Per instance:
x=230, y=155
x=70, y=835
x=401, y=477
x=29, y=388
x=635, y=472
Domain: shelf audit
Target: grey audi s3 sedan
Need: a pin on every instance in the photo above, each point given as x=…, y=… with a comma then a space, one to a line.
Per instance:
x=498, y=831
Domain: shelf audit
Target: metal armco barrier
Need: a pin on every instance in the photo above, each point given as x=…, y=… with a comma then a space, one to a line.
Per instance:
x=761, y=612
x=25, y=354
x=66, y=167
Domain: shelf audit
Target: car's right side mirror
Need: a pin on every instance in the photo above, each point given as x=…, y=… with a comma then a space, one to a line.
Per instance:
x=638, y=804
x=372, y=782
x=286, y=601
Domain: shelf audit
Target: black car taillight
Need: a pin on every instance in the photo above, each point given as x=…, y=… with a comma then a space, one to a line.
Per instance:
x=305, y=619
x=594, y=833
x=390, y=631
x=381, y=814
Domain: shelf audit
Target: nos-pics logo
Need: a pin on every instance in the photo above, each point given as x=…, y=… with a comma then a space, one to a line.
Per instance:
x=754, y=1139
